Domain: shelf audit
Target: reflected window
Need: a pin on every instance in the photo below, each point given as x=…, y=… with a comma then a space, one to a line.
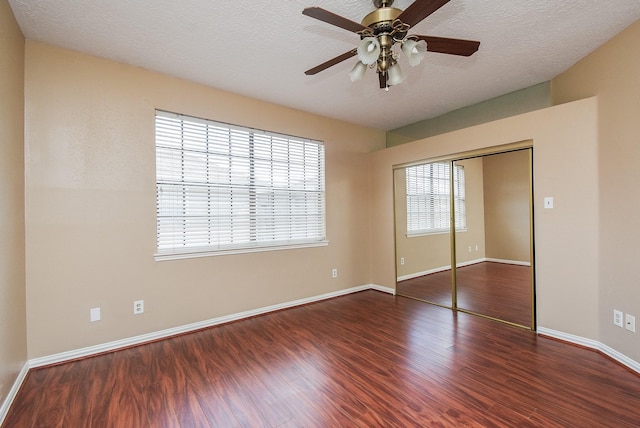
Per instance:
x=428, y=203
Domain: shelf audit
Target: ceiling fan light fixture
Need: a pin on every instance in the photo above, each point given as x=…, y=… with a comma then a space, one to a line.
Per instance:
x=396, y=75
x=357, y=72
x=369, y=50
x=415, y=51
x=381, y=30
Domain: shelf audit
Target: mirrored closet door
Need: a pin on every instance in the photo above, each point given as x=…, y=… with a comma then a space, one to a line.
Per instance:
x=488, y=199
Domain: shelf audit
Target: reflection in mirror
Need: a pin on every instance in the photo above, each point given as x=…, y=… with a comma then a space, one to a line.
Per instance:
x=493, y=252
x=423, y=240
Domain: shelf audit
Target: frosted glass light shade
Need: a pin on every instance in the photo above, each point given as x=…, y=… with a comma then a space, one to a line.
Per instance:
x=358, y=71
x=369, y=50
x=414, y=50
x=396, y=75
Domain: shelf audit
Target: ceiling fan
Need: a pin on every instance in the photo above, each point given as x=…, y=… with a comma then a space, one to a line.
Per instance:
x=381, y=30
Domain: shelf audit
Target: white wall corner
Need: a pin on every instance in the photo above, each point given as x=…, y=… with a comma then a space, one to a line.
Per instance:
x=383, y=289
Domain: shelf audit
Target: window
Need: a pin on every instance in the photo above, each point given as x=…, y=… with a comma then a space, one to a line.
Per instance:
x=428, y=202
x=222, y=188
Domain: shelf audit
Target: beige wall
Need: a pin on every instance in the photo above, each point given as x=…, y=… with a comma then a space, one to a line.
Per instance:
x=13, y=335
x=474, y=237
x=506, y=210
x=90, y=206
x=565, y=145
x=611, y=73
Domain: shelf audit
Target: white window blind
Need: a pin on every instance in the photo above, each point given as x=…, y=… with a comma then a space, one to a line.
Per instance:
x=223, y=187
x=428, y=198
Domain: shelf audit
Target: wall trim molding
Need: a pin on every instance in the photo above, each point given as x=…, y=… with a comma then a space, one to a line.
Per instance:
x=592, y=344
x=187, y=328
x=438, y=269
x=423, y=273
x=11, y=395
x=508, y=262
x=383, y=289
x=462, y=264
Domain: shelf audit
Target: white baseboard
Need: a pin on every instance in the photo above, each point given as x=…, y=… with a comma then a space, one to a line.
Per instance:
x=423, y=273
x=438, y=269
x=508, y=262
x=382, y=288
x=461, y=264
x=162, y=334
x=11, y=395
x=592, y=344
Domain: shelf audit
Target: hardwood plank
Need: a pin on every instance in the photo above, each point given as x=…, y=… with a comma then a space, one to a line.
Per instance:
x=121, y=400
x=364, y=360
x=498, y=290
x=434, y=288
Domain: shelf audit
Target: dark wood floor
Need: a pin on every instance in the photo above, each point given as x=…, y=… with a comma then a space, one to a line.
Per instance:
x=434, y=288
x=364, y=360
x=498, y=290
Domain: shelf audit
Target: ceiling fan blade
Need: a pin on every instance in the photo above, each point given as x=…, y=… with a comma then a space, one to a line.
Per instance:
x=333, y=19
x=331, y=62
x=450, y=46
x=419, y=10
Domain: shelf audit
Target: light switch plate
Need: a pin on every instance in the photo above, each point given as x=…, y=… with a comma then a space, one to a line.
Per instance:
x=548, y=202
x=94, y=314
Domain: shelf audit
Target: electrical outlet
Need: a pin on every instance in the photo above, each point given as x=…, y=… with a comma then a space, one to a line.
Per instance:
x=334, y=272
x=617, y=318
x=94, y=314
x=138, y=307
x=401, y=260
x=630, y=323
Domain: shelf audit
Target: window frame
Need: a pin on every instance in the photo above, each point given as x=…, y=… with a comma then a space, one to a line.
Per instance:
x=296, y=184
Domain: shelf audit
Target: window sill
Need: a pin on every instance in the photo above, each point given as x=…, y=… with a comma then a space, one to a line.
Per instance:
x=196, y=253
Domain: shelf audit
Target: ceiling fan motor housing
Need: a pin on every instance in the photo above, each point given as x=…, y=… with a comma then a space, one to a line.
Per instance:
x=381, y=19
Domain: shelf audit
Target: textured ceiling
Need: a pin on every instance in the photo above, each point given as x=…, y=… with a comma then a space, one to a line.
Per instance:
x=261, y=48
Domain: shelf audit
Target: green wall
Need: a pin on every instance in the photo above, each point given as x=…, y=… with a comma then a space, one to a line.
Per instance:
x=523, y=101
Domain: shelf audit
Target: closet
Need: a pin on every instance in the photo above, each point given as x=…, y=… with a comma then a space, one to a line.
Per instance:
x=464, y=233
